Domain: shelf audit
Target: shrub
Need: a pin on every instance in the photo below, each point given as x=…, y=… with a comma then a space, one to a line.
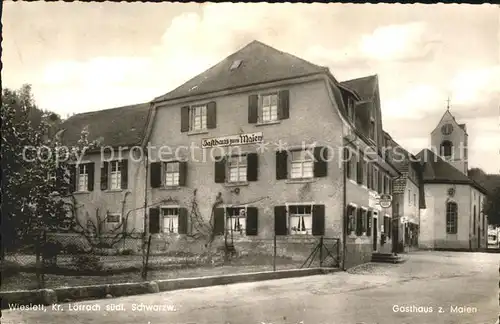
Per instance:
x=74, y=248
x=87, y=262
x=9, y=268
x=126, y=252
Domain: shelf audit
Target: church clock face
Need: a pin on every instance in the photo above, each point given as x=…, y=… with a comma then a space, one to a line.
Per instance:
x=447, y=129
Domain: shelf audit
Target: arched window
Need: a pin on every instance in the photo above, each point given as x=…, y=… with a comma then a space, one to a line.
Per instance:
x=446, y=148
x=451, y=218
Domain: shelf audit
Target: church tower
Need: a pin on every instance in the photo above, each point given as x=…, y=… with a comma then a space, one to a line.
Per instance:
x=450, y=140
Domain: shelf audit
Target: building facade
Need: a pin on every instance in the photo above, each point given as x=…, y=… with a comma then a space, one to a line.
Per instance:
x=453, y=218
x=262, y=145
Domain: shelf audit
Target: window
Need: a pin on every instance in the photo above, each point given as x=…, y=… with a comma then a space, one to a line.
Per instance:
x=409, y=197
x=237, y=168
x=236, y=220
x=83, y=177
x=446, y=148
x=351, y=164
x=386, y=185
x=359, y=222
x=300, y=219
x=369, y=221
x=116, y=175
x=198, y=118
x=268, y=108
x=170, y=218
x=364, y=221
x=351, y=219
x=302, y=164
x=451, y=218
x=113, y=218
x=172, y=174
x=415, y=199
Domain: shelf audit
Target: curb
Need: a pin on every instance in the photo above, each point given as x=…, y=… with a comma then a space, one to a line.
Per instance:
x=71, y=294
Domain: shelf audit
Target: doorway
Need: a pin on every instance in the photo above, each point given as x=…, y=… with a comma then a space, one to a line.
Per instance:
x=375, y=233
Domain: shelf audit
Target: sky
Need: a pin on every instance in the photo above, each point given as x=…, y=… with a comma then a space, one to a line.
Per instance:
x=82, y=57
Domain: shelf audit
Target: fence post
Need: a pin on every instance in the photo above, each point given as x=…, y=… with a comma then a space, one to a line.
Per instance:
x=145, y=269
x=321, y=251
x=274, y=252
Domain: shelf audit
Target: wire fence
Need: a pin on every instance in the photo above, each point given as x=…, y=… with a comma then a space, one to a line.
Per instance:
x=57, y=260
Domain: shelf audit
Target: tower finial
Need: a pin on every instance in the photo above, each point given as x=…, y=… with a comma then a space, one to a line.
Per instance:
x=448, y=103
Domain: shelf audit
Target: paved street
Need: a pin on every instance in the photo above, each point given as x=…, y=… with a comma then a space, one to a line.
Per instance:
x=429, y=284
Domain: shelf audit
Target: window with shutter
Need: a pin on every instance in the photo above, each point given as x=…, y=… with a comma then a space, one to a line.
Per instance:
x=369, y=219
x=219, y=219
x=280, y=223
x=170, y=220
x=124, y=174
x=171, y=173
x=300, y=219
x=220, y=170
x=302, y=164
x=104, y=175
x=350, y=219
x=154, y=220
x=318, y=220
x=320, y=162
x=252, y=224
x=183, y=221
x=155, y=174
x=252, y=167
x=236, y=220
x=115, y=175
x=82, y=177
x=237, y=169
x=359, y=222
x=281, y=165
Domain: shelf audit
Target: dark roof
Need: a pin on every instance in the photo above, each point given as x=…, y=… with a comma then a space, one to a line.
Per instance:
x=260, y=63
x=365, y=87
x=123, y=126
x=437, y=170
x=462, y=126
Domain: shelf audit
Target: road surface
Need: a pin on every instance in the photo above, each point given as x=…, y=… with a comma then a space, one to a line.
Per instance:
x=430, y=288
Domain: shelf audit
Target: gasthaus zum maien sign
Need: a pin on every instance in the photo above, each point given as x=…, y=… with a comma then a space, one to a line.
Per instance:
x=239, y=139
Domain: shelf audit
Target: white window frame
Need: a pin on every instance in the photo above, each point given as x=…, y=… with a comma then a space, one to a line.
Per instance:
x=303, y=162
x=113, y=215
x=232, y=220
x=173, y=218
x=115, y=177
x=198, y=116
x=271, y=116
x=171, y=179
x=238, y=163
x=307, y=231
x=454, y=220
x=82, y=177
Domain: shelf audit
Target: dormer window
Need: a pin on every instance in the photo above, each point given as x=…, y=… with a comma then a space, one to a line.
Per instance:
x=236, y=64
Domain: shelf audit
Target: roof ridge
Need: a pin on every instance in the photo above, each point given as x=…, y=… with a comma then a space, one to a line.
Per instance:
x=108, y=109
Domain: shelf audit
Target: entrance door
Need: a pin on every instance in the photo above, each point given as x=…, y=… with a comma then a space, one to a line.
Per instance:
x=375, y=233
